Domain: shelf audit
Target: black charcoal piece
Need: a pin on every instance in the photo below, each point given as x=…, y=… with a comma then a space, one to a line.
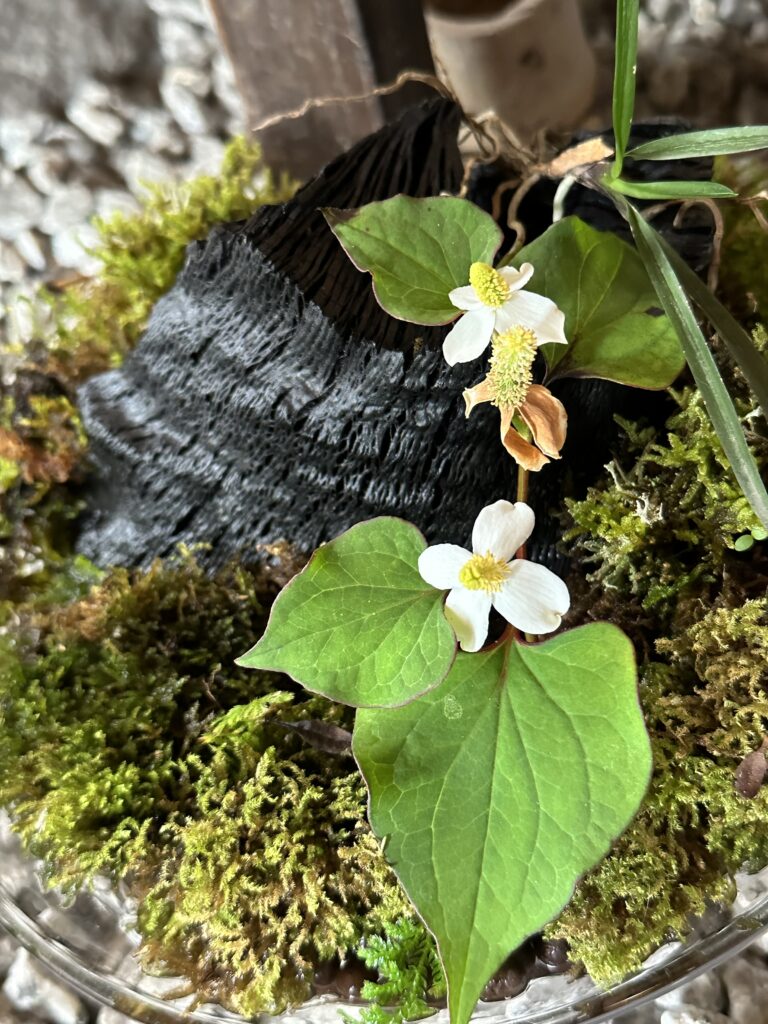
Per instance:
x=272, y=398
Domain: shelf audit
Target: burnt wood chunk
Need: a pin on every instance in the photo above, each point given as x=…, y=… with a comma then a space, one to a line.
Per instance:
x=272, y=398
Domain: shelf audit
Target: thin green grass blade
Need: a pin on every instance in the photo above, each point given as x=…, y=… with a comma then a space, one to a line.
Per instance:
x=740, y=346
x=703, y=367
x=713, y=142
x=625, y=68
x=661, y=190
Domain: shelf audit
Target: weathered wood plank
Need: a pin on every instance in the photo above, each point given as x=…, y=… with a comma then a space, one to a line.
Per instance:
x=285, y=52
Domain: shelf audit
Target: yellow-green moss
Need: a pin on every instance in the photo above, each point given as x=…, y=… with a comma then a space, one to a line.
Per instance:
x=98, y=321
x=665, y=538
x=132, y=745
x=742, y=279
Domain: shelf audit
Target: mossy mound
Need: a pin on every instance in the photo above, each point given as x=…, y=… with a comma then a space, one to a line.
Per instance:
x=679, y=560
x=131, y=744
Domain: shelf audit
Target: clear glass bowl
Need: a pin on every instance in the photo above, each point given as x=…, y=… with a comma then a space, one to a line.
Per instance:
x=87, y=945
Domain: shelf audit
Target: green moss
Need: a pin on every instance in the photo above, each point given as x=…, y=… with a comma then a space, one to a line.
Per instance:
x=662, y=538
x=663, y=526
x=130, y=744
x=742, y=279
x=98, y=321
x=410, y=973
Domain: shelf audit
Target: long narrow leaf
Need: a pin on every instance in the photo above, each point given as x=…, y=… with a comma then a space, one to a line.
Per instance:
x=703, y=367
x=625, y=68
x=713, y=142
x=671, y=189
x=740, y=346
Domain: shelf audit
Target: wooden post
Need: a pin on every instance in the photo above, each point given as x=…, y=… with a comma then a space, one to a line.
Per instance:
x=287, y=51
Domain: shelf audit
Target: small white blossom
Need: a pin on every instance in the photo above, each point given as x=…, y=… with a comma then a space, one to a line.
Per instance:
x=529, y=596
x=494, y=300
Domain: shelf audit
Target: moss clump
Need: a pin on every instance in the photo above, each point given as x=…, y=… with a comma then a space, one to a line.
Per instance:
x=410, y=973
x=742, y=279
x=99, y=321
x=707, y=708
x=90, y=327
x=130, y=744
x=666, y=541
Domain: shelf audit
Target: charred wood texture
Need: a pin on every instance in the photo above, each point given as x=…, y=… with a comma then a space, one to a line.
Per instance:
x=271, y=398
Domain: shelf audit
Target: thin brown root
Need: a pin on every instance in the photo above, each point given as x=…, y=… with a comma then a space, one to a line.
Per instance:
x=319, y=102
x=512, y=219
x=753, y=203
x=505, y=186
x=717, y=242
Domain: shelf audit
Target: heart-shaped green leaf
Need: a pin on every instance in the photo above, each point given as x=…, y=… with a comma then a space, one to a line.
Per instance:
x=501, y=787
x=359, y=625
x=601, y=285
x=417, y=250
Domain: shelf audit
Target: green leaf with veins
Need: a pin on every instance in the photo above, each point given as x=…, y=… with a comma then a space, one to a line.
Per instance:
x=359, y=625
x=502, y=786
x=417, y=251
x=601, y=285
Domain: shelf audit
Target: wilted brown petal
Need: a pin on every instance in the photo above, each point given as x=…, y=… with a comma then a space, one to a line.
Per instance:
x=477, y=395
x=523, y=452
x=546, y=418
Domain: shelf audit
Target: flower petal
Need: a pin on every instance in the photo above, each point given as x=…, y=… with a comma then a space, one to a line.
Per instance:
x=502, y=528
x=440, y=564
x=464, y=297
x=468, y=611
x=523, y=452
x=477, y=395
x=469, y=338
x=532, y=598
x=517, y=279
x=535, y=312
x=546, y=418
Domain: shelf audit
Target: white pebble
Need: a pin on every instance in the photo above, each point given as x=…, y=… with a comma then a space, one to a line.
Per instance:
x=694, y=1015
x=89, y=110
x=31, y=251
x=70, y=248
x=747, y=987
x=29, y=987
x=20, y=207
x=12, y=266
x=68, y=207
x=181, y=89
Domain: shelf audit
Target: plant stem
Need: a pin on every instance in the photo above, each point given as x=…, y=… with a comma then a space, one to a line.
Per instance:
x=521, y=495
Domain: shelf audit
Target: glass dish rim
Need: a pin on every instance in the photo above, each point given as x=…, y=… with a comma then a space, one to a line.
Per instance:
x=655, y=979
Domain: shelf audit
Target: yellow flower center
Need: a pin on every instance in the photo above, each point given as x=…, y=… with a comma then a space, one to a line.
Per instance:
x=510, y=374
x=484, y=572
x=490, y=287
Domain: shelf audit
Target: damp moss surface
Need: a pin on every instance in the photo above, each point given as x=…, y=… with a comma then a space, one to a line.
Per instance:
x=132, y=746
x=675, y=556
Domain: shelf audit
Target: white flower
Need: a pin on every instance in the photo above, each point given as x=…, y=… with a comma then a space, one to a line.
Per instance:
x=526, y=594
x=494, y=301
